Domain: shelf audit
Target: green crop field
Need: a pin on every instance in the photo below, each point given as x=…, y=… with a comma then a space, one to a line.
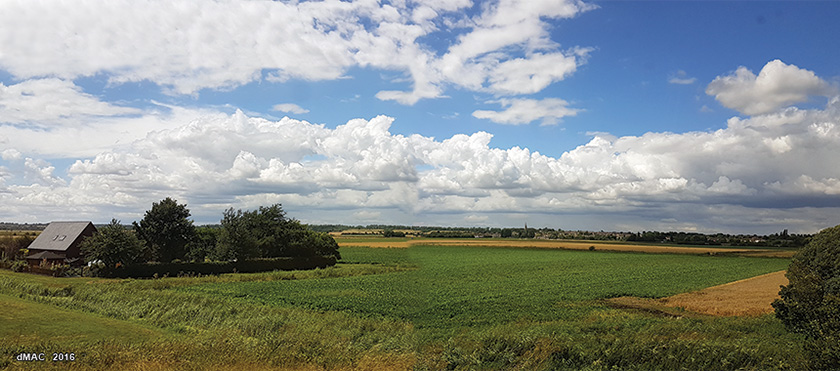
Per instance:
x=424, y=308
x=464, y=287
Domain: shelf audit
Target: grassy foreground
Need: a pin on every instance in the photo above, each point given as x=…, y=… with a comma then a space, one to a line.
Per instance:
x=418, y=308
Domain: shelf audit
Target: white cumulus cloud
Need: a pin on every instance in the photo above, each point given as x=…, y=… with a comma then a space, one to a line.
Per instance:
x=777, y=85
x=761, y=171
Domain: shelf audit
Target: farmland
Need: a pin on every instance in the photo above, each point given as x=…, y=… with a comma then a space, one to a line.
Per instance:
x=463, y=287
x=425, y=307
x=562, y=244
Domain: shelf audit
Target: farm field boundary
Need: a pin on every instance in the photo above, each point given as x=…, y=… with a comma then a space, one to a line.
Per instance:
x=556, y=244
x=748, y=297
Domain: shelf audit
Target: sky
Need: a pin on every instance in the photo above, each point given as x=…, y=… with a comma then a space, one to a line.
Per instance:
x=696, y=116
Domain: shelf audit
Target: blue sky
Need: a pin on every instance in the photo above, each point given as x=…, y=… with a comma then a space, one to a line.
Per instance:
x=614, y=115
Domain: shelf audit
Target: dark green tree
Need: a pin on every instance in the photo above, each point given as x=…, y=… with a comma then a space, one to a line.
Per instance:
x=810, y=303
x=235, y=239
x=113, y=244
x=268, y=233
x=13, y=247
x=203, y=244
x=166, y=230
x=392, y=233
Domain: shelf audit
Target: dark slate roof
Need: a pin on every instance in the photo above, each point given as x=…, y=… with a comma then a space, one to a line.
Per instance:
x=49, y=255
x=58, y=236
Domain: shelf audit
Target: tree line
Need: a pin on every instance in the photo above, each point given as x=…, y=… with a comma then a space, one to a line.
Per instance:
x=167, y=235
x=781, y=239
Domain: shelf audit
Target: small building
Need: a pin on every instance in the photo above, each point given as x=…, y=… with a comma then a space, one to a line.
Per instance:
x=59, y=243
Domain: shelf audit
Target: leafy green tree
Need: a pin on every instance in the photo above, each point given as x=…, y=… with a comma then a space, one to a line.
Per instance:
x=236, y=239
x=392, y=233
x=113, y=244
x=203, y=244
x=13, y=247
x=810, y=303
x=268, y=233
x=166, y=230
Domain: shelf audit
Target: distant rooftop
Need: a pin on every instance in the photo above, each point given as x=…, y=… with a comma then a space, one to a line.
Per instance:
x=59, y=236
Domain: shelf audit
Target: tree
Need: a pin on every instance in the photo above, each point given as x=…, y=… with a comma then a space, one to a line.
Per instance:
x=267, y=233
x=392, y=233
x=112, y=245
x=203, y=244
x=13, y=247
x=810, y=303
x=166, y=230
x=235, y=239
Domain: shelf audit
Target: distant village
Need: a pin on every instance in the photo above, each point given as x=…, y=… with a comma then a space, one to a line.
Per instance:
x=781, y=239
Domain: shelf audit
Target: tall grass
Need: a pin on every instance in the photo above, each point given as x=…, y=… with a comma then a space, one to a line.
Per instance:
x=235, y=332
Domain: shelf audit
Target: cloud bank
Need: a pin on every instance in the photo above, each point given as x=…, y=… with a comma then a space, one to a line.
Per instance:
x=768, y=170
x=503, y=49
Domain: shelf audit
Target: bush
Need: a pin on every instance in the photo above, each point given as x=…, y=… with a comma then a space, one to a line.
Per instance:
x=19, y=266
x=810, y=303
x=150, y=270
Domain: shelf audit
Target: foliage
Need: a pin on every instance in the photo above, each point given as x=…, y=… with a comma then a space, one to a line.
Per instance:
x=449, y=234
x=112, y=245
x=174, y=269
x=166, y=230
x=203, y=244
x=779, y=240
x=19, y=266
x=810, y=303
x=12, y=247
x=392, y=233
x=267, y=233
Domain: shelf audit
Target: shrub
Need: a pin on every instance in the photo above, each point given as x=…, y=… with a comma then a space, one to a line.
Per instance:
x=19, y=266
x=810, y=303
x=151, y=270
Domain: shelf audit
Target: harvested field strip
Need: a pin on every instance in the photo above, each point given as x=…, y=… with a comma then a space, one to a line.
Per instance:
x=553, y=244
x=747, y=297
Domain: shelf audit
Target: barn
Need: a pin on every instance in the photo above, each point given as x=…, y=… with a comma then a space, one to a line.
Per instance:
x=59, y=243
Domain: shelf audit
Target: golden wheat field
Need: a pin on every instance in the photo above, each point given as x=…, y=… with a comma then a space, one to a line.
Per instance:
x=555, y=244
x=750, y=297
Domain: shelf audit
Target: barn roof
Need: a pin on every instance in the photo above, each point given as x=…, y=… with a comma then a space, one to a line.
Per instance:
x=59, y=236
x=49, y=255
